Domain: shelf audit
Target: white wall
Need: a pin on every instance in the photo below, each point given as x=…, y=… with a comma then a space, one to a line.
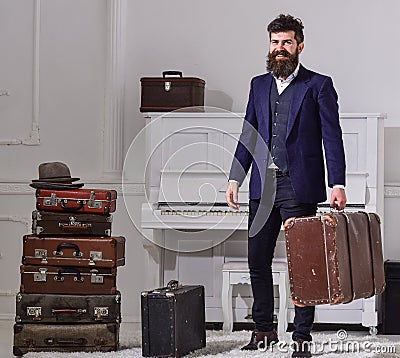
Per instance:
x=223, y=42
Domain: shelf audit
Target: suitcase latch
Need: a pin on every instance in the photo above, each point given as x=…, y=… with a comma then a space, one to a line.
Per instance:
x=40, y=276
x=52, y=201
x=92, y=203
x=37, y=229
x=167, y=85
x=34, y=311
x=41, y=253
x=94, y=278
x=100, y=312
x=95, y=256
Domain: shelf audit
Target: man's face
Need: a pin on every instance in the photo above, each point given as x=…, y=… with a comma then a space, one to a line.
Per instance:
x=283, y=43
x=283, y=53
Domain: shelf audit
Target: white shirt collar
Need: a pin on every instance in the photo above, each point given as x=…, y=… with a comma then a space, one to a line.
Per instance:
x=291, y=77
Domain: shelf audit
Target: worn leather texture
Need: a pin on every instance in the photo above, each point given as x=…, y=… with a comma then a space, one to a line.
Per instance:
x=91, y=201
x=334, y=258
x=183, y=92
x=77, y=251
x=173, y=321
x=31, y=337
x=50, y=308
x=64, y=224
x=68, y=280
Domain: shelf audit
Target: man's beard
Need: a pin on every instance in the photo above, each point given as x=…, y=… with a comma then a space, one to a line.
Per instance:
x=285, y=67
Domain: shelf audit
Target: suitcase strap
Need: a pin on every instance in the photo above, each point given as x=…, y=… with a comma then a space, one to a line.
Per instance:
x=55, y=341
x=77, y=311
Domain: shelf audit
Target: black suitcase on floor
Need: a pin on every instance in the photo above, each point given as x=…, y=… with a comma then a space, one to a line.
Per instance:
x=48, y=308
x=173, y=320
x=33, y=337
x=390, y=309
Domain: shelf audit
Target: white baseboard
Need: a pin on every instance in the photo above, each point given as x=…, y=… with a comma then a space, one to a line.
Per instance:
x=7, y=317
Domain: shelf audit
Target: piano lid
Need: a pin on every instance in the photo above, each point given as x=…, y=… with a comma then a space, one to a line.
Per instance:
x=202, y=187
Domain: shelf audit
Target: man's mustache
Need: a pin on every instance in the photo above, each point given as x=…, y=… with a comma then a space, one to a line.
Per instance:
x=280, y=52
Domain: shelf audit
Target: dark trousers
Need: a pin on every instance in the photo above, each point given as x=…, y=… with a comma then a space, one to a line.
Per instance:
x=261, y=251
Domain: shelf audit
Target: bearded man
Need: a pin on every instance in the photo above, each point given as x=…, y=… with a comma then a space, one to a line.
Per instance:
x=292, y=112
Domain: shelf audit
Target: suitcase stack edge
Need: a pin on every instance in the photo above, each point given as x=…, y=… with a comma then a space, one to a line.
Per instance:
x=68, y=299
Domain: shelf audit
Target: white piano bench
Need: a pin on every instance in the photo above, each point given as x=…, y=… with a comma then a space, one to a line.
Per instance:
x=237, y=272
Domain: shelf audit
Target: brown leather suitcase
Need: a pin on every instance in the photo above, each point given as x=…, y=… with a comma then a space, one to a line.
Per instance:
x=77, y=251
x=163, y=94
x=49, y=308
x=65, y=338
x=91, y=201
x=334, y=258
x=173, y=320
x=56, y=223
x=68, y=280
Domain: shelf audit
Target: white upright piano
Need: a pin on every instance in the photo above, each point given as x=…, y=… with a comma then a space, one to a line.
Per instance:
x=190, y=231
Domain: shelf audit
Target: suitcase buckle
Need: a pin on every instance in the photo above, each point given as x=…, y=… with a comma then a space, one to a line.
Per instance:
x=34, y=311
x=52, y=201
x=94, y=278
x=40, y=276
x=167, y=85
x=41, y=253
x=95, y=256
x=100, y=312
x=92, y=203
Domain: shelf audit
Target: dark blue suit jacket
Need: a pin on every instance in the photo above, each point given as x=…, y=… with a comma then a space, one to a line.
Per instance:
x=313, y=122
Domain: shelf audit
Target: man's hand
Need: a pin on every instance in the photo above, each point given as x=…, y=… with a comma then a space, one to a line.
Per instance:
x=231, y=195
x=338, y=199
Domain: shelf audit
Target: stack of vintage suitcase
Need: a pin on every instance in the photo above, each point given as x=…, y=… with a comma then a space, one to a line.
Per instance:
x=68, y=298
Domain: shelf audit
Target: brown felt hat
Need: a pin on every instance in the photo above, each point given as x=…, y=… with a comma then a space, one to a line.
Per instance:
x=54, y=172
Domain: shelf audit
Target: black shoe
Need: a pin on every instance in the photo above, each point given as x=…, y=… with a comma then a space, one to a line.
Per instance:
x=259, y=339
x=301, y=349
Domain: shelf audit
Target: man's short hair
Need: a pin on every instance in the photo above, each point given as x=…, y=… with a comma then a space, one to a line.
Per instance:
x=285, y=23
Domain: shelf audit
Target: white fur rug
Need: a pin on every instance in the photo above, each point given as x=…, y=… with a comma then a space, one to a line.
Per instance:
x=357, y=344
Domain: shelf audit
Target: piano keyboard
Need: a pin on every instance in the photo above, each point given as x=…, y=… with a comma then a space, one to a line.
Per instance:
x=204, y=213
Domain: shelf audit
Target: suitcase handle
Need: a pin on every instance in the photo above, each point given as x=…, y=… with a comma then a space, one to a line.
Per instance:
x=66, y=245
x=69, y=208
x=60, y=272
x=55, y=341
x=78, y=311
x=172, y=73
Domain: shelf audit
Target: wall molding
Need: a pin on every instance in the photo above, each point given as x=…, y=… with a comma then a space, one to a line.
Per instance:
x=33, y=137
x=392, y=190
x=115, y=90
x=17, y=219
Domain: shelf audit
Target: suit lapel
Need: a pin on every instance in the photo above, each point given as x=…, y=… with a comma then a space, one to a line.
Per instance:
x=264, y=99
x=300, y=90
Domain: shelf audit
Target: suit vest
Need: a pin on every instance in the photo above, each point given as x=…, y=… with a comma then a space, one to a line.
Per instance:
x=279, y=106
